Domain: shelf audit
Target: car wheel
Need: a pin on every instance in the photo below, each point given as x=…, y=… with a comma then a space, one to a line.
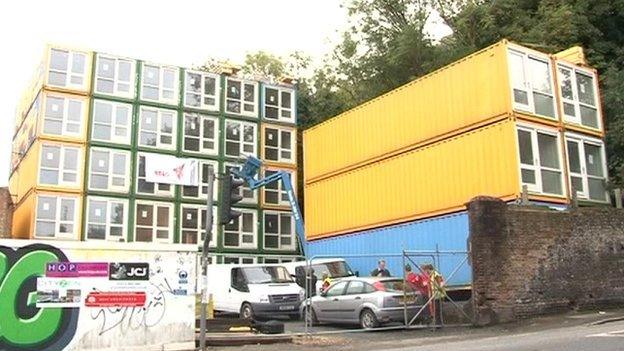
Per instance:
x=246, y=312
x=368, y=320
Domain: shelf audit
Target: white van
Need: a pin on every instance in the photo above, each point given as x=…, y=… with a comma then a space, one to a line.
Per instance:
x=336, y=268
x=254, y=290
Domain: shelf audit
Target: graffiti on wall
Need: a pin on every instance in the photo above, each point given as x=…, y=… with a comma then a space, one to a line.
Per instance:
x=23, y=326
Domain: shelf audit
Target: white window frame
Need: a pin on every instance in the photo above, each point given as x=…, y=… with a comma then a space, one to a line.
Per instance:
x=116, y=80
x=537, y=167
x=68, y=73
x=576, y=102
x=217, y=96
x=240, y=141
x=279, y=235
x=204, y=151
x=241, y=244
x=60, y=169
x=111, y=155
x=161, y=90
x=253, y=200
x=241, y=100
x=240, y=259
x=159, y=132
x=279, y=259
x=154, y=227
x=108, y=224
x=281, y=192
x=200, y=194
x=65, y=122
x=57, y=217
x=526, y=86
x=581, y=140
x=278, y=105
x=125, y=140
x=280, y=149
x=200, y=226
x=157, y=191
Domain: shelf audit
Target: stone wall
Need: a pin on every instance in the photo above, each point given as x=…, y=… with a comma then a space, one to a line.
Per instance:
x=530, y=260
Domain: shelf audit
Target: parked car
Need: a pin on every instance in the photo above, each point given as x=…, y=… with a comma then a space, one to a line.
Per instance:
x=369, y=302
x=336, y=268
x=254, y=290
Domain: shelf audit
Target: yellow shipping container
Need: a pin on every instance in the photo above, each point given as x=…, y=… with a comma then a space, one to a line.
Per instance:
x=502, y=80
x=48, y=215
x=49, y=166
x=436, y=179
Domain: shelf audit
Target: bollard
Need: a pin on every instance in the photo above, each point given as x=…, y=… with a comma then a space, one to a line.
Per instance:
x=618, y=197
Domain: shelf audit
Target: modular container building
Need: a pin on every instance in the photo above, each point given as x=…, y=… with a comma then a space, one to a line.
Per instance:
x=492, y=123
x=89, y=120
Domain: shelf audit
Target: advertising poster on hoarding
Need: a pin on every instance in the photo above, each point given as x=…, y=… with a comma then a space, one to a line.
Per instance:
x=58, y=292
x=76, y=269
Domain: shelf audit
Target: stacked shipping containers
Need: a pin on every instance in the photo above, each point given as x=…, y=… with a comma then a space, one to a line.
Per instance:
x=397, y=171
x=90, y=120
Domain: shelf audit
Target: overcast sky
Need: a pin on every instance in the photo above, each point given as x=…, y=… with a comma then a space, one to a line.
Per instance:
x=181, y=32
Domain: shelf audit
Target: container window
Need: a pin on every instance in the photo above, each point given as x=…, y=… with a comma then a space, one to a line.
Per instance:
x=59, y=165
x=115, y=76
x=278, y=104
x=278, y=231
x=55, y=217
x=106, y=219
x=67, y=69
x=193, y=192
x=579, y=96
x=249, y=196
x=154, y=222
x=109, y=170
x=274, y=192
x=149, y=188
x=241, y=97
x=241, y=232
x=278, y=144
x=540, y=160
x=239, y=260
x=200, y=134
x=588, y=168
x=157, y=128
x=193, y=225
x=201, y=90
x=240, y=139
x=160, y=84
x=111, y=122
x=531, y=84
x=62, y=116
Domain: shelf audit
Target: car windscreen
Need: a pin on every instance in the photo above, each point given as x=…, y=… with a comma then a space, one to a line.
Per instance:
x=337, y=269
x=265, y=275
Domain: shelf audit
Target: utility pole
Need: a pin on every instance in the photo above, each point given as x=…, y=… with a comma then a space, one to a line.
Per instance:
x=204, y=259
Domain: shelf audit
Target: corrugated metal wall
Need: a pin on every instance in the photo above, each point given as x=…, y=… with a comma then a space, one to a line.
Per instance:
x=446, y=233
x=425, y=182
x=466, y=93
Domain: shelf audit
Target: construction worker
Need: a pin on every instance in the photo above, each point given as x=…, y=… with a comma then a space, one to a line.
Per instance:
x=326, y=282
x=435, y=289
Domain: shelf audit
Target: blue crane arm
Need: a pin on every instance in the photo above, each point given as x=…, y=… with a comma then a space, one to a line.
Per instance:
x=248, y=173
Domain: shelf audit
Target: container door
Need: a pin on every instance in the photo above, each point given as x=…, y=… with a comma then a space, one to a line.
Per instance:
x=519, y=82
x=575, y=164
x=568, y=95
x=595, y=168
x=528, y=160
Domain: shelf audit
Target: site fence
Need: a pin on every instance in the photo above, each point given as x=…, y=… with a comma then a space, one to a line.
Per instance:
x=449, y=306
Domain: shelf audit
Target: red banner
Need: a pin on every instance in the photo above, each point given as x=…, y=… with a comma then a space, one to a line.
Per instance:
x=116, y=299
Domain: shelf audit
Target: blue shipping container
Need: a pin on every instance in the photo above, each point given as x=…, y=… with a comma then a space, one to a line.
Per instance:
x=448, y=233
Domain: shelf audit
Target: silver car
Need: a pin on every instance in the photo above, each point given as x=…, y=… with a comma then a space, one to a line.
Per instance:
x=368, y=302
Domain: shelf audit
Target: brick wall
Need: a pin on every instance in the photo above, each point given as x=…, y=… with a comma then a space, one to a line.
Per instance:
x=530, y=260
x=6, y=213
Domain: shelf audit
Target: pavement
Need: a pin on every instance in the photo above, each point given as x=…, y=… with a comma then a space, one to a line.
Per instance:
x=574, y=331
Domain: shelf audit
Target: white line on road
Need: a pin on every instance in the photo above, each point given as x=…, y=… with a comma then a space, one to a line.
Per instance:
x=616, y=333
